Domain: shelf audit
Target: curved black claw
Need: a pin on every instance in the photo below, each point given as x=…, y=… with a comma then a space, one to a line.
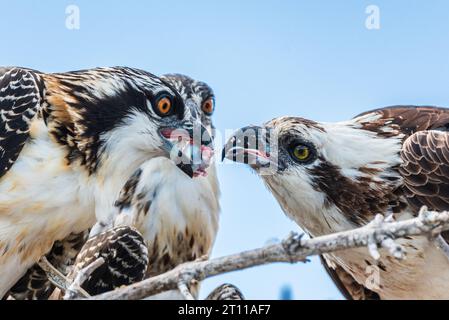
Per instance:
x=293, y=243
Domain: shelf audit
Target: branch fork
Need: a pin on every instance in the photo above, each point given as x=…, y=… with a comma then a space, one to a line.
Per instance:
x=75, y=290
x=382, y=232
x=384, y=239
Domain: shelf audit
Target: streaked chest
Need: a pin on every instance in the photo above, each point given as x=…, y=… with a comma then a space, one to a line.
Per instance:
x=182, y=222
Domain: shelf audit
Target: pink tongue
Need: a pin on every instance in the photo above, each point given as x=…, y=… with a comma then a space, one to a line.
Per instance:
x=207, y=154
x=173, y=134
x=166, y=132
x=200, y=173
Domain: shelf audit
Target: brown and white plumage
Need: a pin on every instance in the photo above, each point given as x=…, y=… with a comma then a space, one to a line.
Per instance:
x=125, y=260
x=226, y=292
x=176, y=215
x=68, y=143
x=330, y=177
x=34, y=284
x=425, y=169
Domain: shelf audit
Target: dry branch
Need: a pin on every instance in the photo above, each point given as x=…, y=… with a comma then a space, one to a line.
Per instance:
x=57, y=278
x=75, y=289
x=379, y=233
x=184, y=289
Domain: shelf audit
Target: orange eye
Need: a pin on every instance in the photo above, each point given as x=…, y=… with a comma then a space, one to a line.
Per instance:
x=164, y=106
x=208, y=106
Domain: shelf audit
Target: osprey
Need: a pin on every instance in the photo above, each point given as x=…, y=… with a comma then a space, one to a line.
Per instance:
x=330, y=177
x=186, y=229
x=125, y=258
x=69, y=142
x=176, y=215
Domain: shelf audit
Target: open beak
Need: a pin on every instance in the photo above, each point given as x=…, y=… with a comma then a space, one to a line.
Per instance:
x=191, y=149
x=249, y=145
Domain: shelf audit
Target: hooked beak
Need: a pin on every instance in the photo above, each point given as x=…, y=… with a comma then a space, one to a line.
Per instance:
x=191, y=148
x=250, y=145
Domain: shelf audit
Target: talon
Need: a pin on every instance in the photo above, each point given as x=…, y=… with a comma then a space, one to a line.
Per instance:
x=293, y=242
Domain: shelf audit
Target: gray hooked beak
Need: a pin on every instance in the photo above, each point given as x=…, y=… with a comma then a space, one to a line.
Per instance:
x=190, y=146
x=250, y=145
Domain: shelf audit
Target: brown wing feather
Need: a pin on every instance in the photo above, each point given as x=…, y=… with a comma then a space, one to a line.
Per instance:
x=226, y=292
x=21, y=92
x=126, y=259
x=425, y=169
x=346, y=284
x=408, y=119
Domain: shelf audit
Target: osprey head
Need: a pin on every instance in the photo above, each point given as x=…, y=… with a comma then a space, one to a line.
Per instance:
x=198, y=96
x=325, y=176
x=125, y=116
x=199, y=100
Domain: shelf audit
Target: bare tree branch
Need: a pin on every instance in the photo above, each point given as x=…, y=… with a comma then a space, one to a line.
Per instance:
x=442, y=244
x=380, y=233
x=53, y=274
x=184, y=289
x=75, y=290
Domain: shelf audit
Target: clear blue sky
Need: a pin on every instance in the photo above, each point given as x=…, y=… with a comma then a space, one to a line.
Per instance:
x=315, y=59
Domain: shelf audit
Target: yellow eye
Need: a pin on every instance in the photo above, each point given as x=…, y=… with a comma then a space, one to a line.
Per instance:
x=301, y=152
x=208, y=106
x=164, y=106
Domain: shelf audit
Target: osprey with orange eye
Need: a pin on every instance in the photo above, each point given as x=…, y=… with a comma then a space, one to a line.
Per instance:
x=164, y=105
x=208, y=106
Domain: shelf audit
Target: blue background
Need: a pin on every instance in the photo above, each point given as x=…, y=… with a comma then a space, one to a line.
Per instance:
x=315, y=59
